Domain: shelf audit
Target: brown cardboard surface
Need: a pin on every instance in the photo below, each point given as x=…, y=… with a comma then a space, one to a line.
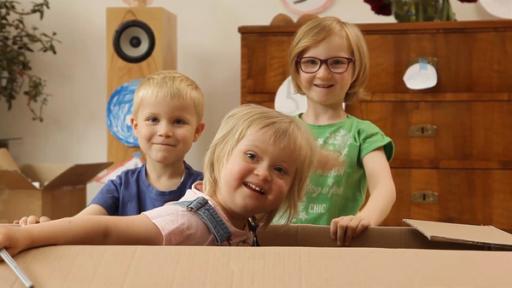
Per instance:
x=181, y=266
x=377, y=237
x=17, y=203
x=277, y=266
x=10, y=179
x=77, y=175
x=472, y=234
x=55, y=176
x=55, y=191
x=6, y=161
x=42, y=173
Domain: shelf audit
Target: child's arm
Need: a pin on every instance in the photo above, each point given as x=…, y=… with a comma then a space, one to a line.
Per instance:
x=93, y=209
x=381, y=187
x=95, y=230
x=382, y=197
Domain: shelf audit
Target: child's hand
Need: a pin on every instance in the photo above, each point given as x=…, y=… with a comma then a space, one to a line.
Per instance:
x=28, y=220
x=11, y=239
x=344, y=228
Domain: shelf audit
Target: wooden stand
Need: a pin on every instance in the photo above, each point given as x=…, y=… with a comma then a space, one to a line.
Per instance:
x=163, y=24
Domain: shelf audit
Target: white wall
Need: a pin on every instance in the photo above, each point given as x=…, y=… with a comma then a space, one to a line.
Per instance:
x=208, y=51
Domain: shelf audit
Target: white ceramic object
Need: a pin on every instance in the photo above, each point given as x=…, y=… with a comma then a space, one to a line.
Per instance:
x=420, y=76
x=498, y=8
x=288, y=101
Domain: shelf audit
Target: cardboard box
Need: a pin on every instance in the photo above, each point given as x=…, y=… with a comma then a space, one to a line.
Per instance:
x=55, y=191
x=421, y=235
x=362, y=266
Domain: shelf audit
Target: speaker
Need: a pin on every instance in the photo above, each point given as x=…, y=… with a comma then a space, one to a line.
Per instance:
x=134, y=41
x=140, y=40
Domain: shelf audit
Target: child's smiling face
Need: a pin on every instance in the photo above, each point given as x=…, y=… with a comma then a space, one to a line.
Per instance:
x=324, y=87
x=255, y=178
x=166, y=129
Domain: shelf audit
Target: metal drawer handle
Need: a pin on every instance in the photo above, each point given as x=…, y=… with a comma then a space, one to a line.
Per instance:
x=423, y=130
x=424, y=197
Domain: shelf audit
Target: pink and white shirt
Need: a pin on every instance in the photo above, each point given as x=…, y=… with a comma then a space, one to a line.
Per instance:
x=182, y=227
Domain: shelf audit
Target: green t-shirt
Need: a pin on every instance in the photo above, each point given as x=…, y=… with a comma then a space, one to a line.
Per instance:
x=336, y=189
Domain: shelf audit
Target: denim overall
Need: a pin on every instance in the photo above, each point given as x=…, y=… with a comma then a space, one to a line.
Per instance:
x=214, y=222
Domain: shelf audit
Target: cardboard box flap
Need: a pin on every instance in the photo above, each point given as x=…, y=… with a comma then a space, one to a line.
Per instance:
x=305, y=235
x=14, y=180
x=296, y=235
x=463, y=233
x=41, y=174
x=76, y=175
x=6, y=161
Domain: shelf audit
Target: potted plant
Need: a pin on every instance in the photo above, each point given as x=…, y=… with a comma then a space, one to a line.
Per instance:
x=17, y=43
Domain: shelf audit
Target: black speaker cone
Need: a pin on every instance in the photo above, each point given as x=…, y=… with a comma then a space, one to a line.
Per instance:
x=134, y=41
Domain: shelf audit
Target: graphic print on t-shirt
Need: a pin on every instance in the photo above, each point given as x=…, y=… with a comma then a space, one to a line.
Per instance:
x=338, y=185
x=332, y=152
x=329, y=169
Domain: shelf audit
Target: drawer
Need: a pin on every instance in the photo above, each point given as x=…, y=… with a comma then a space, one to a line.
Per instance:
x=470, y=56
x=444, y=134
x=264, y=62
x=466, y=62
x=474, y=196
x=266, y=100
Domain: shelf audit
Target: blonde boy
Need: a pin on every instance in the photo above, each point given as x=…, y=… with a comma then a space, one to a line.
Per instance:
x=167, y=118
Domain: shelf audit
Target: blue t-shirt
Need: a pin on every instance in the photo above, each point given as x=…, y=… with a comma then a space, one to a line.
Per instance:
x=130, y=193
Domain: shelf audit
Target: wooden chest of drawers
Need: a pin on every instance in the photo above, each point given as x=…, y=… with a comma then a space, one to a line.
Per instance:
x=453, y=159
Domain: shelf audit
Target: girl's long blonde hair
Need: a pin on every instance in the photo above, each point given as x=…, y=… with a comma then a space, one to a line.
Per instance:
x=285, y=132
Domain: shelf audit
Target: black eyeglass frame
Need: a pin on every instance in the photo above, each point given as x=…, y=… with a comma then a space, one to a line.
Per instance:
x=322, y=62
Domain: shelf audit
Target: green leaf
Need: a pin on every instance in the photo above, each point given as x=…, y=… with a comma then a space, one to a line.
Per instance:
x=17, y=42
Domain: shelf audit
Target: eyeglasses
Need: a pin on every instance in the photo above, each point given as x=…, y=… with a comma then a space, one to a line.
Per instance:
x=336, y=65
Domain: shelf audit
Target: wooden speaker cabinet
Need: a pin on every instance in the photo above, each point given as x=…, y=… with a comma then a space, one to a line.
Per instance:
x=453, y=158
x=140, y=41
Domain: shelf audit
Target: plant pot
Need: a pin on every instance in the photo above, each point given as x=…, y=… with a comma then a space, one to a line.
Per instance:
x=422, y=10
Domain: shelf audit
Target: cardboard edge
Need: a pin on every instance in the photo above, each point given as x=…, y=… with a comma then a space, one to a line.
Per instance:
x=305, y=235
x=12, y=179
x=418, y=225
x=484, y=245
x=7, y=162
x=86, y=172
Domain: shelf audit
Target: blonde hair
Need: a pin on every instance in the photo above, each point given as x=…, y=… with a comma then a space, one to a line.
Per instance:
x=285, y=131
x=172, y=85
x=319, y=29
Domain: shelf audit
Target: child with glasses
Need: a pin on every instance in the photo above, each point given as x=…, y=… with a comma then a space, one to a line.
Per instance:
x=167, y=118
x=329, y=64
x=258, y=163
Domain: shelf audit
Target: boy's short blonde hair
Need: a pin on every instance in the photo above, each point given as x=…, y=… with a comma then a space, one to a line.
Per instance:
x=285, y=133
x=172, y=85
x=319, y=29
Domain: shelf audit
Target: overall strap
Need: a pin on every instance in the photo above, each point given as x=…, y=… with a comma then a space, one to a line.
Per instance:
x=210, y=217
